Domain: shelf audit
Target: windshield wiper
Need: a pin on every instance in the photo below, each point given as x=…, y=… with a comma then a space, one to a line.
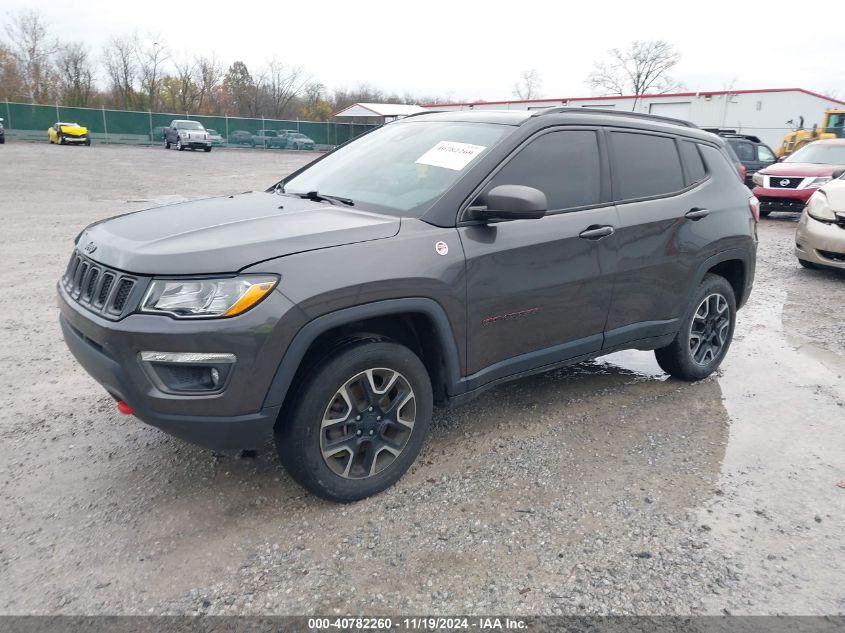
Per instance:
x=316, y=196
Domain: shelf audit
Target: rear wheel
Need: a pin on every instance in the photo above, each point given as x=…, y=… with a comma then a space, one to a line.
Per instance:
x=705, y=333
x=359, y=422
x=166, y=144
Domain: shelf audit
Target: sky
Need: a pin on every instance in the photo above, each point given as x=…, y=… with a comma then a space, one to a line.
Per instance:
x=476, y=50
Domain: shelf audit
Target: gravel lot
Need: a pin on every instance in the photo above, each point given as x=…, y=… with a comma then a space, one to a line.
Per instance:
x=603, y=488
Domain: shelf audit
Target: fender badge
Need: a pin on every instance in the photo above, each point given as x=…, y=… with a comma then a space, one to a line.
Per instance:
x=442, y=248
x=90, y=247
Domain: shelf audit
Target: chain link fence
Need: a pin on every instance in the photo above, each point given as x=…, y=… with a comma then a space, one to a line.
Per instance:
x=24, y=121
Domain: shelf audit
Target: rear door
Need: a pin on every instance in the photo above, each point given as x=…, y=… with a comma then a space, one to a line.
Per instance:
x=538, y=291
x=663, y=218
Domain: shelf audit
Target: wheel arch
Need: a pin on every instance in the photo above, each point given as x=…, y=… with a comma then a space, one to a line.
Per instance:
x=736, y=266
x=407, y=321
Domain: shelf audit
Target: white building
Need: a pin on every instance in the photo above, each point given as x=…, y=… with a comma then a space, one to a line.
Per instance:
x=765, y=113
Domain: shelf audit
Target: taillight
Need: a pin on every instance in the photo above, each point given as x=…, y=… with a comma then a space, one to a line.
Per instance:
x=754, y=206
x=742, y=172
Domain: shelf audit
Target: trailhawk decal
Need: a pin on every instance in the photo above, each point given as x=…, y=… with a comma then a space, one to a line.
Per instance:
x=509, y=316
x=442, y=248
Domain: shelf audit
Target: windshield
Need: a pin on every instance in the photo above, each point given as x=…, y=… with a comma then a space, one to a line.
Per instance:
x=402, y=167
x=267, y=133
x=210, y=131
x=298, y=136
x=189, y=125
x=819, y=154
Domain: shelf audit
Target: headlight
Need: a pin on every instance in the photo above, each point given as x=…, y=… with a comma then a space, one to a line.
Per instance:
x=818, y=182
x=758, y=179
x=206, y=298
x=819, y=208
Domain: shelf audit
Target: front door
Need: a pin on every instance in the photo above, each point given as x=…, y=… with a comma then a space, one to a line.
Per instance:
x=538, y=291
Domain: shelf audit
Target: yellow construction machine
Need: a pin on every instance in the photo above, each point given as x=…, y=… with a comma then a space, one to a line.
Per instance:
x=833, y=126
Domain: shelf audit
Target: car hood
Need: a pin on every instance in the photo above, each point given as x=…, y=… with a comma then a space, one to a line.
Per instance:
x=76, y=130
x=224, y=235
x=835, y=192
x=799, y=169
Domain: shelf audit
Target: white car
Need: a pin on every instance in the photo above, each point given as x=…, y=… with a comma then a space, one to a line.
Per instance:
x=820, y=239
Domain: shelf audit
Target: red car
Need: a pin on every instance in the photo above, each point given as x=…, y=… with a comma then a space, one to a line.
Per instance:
x=789, y=183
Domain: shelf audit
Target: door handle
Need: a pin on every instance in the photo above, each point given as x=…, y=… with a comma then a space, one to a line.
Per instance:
x=696, y=213
x=596, y=232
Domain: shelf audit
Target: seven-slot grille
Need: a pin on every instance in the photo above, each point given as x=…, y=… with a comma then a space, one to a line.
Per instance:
x=97, y=287
x=784, y=182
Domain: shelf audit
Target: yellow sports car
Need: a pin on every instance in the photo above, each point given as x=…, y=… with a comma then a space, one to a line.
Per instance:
x=68, y=133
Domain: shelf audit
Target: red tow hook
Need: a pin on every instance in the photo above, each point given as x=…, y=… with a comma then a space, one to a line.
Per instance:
x=124, y=408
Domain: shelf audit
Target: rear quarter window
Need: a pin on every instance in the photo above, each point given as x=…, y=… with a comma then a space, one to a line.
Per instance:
x=645, y=165
x=693, y=163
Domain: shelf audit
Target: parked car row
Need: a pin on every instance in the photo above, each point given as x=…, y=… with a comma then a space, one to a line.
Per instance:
x=810, y=181
x=281, y=139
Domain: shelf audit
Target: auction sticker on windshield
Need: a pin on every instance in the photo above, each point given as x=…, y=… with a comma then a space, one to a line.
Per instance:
x=450, y=155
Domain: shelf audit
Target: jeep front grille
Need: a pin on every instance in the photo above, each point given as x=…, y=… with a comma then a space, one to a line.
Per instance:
x=106, y=291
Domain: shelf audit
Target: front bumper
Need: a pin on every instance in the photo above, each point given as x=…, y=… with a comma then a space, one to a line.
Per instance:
x=782, y=199
x=820, y=242
x=232, y=418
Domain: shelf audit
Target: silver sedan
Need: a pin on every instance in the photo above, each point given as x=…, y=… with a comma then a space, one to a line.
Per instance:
x=820, y=239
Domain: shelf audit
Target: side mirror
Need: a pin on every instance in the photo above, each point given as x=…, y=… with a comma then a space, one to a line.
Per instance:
x=782, y=158
x=837, y=174
x=512, y=202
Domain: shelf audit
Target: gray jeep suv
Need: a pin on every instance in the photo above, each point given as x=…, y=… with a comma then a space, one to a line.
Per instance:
x=417, y=265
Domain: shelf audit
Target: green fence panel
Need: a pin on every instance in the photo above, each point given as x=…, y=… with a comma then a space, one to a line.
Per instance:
x=30, y=122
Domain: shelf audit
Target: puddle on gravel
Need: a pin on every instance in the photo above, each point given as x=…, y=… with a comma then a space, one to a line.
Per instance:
x=778, y=511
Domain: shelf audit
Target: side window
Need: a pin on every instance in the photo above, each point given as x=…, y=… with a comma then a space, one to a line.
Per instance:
x=693, y=165
x=744, y=150
x=765, y=155
x=645, y=165
x=563, y=165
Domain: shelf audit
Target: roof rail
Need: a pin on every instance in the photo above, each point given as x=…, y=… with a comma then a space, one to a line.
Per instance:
x=636, y=115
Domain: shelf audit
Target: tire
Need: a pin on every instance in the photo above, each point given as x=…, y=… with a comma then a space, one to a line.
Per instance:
x=166, y=144
x=179, y=145
x=680, y=359
x=296, y=145
x=206, y=149
x=765, y=214
x=356, y=472
x=61, y=140
x=88, y=142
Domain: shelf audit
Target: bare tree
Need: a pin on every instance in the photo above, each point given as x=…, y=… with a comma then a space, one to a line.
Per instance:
x=282, y=84
x=528, y=85
x=32, y=48
x=122, y=70
x=186, y=88
x=75, y=73
x=11, y=84
x=639, y=69
x=151, y=54
x=209, y=77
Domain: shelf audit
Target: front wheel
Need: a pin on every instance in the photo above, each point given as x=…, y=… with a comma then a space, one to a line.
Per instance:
x=207, y=149
x=359, y=422
x=765, y=214
x=705, y=334
x=179, y=145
